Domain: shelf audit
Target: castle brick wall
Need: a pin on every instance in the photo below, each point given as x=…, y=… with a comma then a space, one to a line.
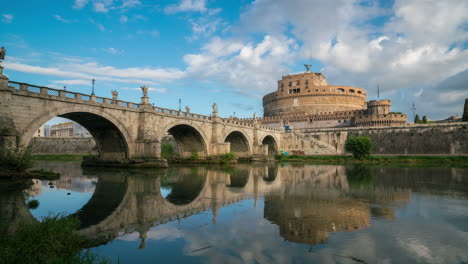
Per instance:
x=435, y=139
x=51, y=145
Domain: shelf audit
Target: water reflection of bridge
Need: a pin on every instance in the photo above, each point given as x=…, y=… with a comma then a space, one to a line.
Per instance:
x=306, y=202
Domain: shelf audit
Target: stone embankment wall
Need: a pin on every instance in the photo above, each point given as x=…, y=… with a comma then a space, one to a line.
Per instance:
x=435, y=139
x=46, y=145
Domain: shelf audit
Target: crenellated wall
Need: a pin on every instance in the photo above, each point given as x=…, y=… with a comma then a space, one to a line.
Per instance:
x=431, y=139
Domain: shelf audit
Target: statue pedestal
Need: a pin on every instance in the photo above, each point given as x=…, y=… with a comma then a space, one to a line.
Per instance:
x=145, y=100
x=3, y=80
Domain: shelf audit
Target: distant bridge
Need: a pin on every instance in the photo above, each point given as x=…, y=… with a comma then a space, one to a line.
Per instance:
x=125, y=130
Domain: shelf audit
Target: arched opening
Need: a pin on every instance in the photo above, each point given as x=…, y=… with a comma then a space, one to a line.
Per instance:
x=185, y=141
x=340, y=90
x=239, y=143
x=79, y=132
x=272, y=146
x=182, y=186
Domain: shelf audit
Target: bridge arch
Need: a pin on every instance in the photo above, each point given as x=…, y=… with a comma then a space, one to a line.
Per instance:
x=190, y=138
x=112, y=138
x=272, y=144
x=240, y=144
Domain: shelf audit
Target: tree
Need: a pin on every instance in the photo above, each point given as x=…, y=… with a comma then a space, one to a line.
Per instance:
x=465, y=111
x=417, y=120
x=424, y=120
x=360, y=146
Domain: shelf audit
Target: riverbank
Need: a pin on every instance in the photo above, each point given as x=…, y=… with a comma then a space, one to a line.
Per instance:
x=423, y=160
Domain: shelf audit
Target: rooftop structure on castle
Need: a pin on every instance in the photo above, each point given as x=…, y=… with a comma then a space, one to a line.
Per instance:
x=306, y=100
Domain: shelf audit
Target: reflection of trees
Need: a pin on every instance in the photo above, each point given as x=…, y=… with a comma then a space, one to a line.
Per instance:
x=359, y=176
x=185, y=184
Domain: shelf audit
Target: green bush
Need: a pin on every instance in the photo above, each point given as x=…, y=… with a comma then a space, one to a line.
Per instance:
x=194, y=155
x=360, y=146
x=167, y=151
x=54, y=240
x=226, y=158
x=18, y=159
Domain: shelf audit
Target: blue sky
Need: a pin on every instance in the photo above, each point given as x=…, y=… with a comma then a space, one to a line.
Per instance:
x=233, y=52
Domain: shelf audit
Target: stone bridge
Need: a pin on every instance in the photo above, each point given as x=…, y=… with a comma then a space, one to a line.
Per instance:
x=128, y=131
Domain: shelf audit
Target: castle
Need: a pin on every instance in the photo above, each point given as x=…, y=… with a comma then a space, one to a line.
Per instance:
x=306, y=100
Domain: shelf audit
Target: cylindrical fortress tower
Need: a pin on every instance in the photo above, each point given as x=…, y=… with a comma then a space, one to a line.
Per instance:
x=381, y=107
x=309, y=93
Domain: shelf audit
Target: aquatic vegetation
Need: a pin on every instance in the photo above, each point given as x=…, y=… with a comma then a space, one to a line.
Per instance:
x=53, y=240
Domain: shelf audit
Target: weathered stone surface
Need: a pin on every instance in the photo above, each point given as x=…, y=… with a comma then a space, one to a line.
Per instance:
x=48, y=145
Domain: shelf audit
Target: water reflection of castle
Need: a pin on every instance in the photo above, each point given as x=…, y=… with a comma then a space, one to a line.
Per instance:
x=307, y=202
x=326, y=202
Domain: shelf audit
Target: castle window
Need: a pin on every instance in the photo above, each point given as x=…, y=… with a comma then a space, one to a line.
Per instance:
x=282, y=85
x=340, y=90
x=294, y=91
x=290, y=84
x=298, y=82
x=307, y=81
x=359, y=92
x=351, y=90
x=316, y=90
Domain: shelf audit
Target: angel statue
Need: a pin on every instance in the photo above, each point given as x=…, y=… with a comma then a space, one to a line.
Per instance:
x=307, y=67
x=115, y=94
x=2, y=54
x=215, y=108
x=187, y=109
x=144, y=88
x=255, y=116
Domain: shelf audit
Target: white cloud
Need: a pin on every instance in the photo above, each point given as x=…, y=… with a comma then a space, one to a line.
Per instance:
x=80, y=4
x=244, y=66
x=123, y=19
x=187, y=6
x=112, y=50
x=153, y=33
x=130, y=3
x=59, y=18
x=90, y=70
x=100, y=7
x=98, y=25
x=7, y=18
x=72, y=82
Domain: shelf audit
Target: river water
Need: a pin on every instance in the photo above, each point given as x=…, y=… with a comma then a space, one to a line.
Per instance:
x=259, y=213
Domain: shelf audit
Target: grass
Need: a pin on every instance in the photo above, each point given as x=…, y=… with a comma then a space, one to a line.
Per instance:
x=52, y=241
x=59, y=157
x=379, y=160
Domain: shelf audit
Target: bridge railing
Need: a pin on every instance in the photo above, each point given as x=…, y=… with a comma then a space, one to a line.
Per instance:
x=172, y=112
x=247, y=124
x=68, y=94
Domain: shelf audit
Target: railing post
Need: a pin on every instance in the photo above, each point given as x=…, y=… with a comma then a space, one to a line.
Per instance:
x=44, y=90
x=61, y=93
x=118, y=102
x=106, y=101
x=130, y=105
x=78, y=96
x=92, y=98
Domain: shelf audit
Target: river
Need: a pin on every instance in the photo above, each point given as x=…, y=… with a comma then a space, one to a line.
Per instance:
x=259, y=213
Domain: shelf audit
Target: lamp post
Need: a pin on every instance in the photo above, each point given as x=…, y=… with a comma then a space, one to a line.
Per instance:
x=414, y=112
x=180, y=102
x=92, y=93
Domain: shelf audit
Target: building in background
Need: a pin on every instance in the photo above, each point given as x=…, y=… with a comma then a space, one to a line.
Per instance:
x=40, y=132
x=68, y=129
